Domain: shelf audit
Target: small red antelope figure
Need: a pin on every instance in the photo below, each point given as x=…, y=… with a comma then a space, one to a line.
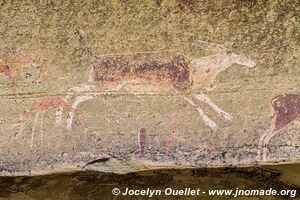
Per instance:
x=41, y=105
x=287, y=110
x=164, y=71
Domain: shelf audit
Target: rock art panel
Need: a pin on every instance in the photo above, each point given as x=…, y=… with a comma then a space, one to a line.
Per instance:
x=121, y=87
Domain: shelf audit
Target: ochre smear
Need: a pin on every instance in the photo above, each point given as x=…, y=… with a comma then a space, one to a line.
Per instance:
x=287, y=109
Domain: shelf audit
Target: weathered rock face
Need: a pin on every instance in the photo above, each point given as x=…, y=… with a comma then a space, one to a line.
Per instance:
x=121, y=86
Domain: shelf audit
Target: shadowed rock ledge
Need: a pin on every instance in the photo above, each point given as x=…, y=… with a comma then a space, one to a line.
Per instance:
x=93, y=185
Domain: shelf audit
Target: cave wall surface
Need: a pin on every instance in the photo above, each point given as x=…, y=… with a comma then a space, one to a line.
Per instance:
x=122, y=86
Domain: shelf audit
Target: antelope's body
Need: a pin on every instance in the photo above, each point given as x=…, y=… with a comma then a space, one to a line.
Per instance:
x=48, y=103
x=150, y=67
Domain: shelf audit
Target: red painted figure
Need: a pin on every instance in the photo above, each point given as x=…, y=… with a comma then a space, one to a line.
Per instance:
x=142, y=141
x=46, y=103
x=5, y=69
x=50, y=102
x=287, y=110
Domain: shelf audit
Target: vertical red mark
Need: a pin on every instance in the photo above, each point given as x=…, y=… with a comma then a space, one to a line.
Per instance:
x=142, y=141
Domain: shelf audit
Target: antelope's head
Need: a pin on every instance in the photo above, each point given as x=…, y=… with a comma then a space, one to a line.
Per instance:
x=228, y=55
x=234, y=57
x=240, y=59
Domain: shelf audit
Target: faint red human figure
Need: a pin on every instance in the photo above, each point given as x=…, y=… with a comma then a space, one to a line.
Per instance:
x=287, y=109
x=142, y=142
x=41, y=105
x=5, y=69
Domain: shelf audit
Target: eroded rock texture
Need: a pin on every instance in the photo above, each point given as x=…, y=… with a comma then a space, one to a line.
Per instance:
x=122, y=86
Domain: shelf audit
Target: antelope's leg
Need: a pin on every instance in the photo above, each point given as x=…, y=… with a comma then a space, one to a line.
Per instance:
x=58, y=116
x=33, y=128
x=91, y=75
x=261, y=146
x=21, y=127
x=77, y=101
x=264, y=150
x=59, y=113
x=80, y=99
x=266, y=142
x=206, y=119
x=221, y=113
x=80, y=88
x=267, y=136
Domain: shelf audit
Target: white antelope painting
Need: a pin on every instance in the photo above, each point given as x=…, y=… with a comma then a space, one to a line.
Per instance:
x=164, y=71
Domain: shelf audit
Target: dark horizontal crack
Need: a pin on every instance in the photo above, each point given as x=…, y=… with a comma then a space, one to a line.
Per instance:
x=100, y=160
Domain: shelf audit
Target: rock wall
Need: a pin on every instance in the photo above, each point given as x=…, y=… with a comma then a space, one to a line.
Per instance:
x=121, y=86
